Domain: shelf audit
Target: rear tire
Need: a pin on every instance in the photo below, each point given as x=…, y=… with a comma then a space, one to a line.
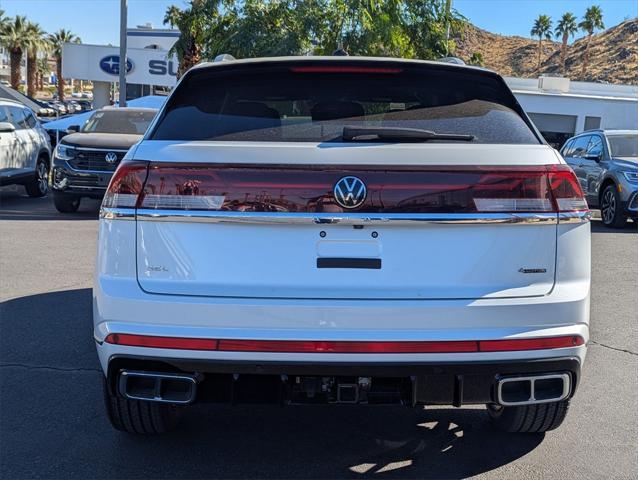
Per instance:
x=541, y=417
x=39, y=186
x=610, y=209
x=66, y=203
x=138, y=417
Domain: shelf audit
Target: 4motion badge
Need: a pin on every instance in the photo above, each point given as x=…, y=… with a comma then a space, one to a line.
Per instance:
x=532, y=270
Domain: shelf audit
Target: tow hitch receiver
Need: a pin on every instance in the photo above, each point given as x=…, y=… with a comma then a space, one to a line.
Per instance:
x=350, y=390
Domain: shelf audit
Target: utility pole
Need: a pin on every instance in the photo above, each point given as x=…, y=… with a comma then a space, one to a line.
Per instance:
x=123, y=62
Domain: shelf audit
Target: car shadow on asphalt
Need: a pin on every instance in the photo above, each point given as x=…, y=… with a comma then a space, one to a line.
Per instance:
x=598, y=227
x=20, y=207
x=53, y=422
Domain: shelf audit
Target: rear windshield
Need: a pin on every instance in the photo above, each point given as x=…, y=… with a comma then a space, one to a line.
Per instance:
x=114, y=121
x=315, y=103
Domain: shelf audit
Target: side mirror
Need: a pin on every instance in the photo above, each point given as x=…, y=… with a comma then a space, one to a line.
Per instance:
x=593, y=157
x=73, y=129
x=6, y=127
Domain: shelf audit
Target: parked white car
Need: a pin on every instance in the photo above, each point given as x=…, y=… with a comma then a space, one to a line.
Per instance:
x=25, y=149
x=342, y=230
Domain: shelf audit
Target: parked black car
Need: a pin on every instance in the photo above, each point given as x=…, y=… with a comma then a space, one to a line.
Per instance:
x=84, y=160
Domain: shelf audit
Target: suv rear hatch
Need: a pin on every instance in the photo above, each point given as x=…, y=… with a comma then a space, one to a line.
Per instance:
x=248, y=188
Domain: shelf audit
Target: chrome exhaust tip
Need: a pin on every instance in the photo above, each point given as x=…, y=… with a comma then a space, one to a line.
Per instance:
x=530, y=390
x=174, y=388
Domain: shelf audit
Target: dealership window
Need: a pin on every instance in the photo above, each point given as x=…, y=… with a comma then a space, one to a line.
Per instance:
x=556, y=129
x=592, y=123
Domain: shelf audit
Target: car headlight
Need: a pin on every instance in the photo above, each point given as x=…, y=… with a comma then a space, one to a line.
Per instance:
x=631, y=176
x=64, y=152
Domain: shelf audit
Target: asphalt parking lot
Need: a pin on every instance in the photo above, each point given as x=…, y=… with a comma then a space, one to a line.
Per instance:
x=52, y=423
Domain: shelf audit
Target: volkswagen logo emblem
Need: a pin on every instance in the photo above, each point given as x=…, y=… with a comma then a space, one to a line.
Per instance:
x=350, y=192
x=110, y=157
x=111, y=65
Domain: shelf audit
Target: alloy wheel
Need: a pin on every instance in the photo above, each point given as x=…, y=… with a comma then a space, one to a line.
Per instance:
x=608, y=207
x=43, y=181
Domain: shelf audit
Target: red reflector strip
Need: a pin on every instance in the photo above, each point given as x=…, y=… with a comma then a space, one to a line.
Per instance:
x=161, y=342
x=530, y=343
x=312, y=346
x=344, y=69
x=345, y=347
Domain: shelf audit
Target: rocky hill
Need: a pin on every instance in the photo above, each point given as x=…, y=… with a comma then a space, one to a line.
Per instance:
x=613, y=54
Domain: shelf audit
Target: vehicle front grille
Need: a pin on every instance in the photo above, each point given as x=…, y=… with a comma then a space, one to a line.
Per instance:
x=95, y=160
x=633, y=204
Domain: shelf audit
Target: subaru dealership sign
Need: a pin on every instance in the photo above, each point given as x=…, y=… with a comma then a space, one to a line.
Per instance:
x=111, y=65
x=100, y=63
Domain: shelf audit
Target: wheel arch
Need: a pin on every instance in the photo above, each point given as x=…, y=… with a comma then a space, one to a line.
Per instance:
x=44, y=153
x=605, y=183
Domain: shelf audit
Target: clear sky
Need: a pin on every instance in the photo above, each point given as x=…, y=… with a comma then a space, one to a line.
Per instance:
x=97, y=21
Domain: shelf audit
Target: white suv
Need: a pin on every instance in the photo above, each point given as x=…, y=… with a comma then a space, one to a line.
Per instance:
x=25, y=151
x=342, y=230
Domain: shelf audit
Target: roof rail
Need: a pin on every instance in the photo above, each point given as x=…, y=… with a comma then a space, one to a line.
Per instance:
x=224, y=57
x=454, y=60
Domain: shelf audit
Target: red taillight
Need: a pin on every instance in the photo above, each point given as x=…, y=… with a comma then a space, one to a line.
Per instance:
x=161, y=342
x=530, y=343
x=330, y=346
x=126, y=186
x=422, y=189
x=568, y=196
x=344, y=69
x=284, y=346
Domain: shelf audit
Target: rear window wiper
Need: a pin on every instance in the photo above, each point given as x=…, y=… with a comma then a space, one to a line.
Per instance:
x=398, y=134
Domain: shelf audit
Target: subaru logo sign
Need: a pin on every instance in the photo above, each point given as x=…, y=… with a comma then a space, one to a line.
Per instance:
x=350, y=192
x=111, y=65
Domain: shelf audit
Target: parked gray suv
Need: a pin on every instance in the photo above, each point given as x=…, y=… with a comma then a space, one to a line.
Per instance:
x=606, y=164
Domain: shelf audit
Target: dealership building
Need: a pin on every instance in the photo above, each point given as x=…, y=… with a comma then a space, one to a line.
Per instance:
x=559, y=107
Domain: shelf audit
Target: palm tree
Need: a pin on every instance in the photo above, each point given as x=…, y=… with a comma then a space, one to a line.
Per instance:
x=592, y=21
x=542, y=29
x=57, y=40
x=566, y=27
x=13, y=37
x=42, y=70
x=171, y=17
x=35, y=42
x=477, y=59
x=193, y=22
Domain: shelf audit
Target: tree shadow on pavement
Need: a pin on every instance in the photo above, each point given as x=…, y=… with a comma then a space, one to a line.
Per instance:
x=53, y=424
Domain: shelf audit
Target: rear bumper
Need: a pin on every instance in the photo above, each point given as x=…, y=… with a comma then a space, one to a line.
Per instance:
x=444, y=383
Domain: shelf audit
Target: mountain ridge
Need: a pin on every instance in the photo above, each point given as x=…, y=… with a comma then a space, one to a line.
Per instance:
x=613, y=54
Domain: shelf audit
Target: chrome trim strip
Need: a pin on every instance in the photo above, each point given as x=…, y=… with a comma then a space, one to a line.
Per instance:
x=90, y=187
x=210, y=216
x=117, y=213
x=574, y=217
x=88, y=149
x=90, y=172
